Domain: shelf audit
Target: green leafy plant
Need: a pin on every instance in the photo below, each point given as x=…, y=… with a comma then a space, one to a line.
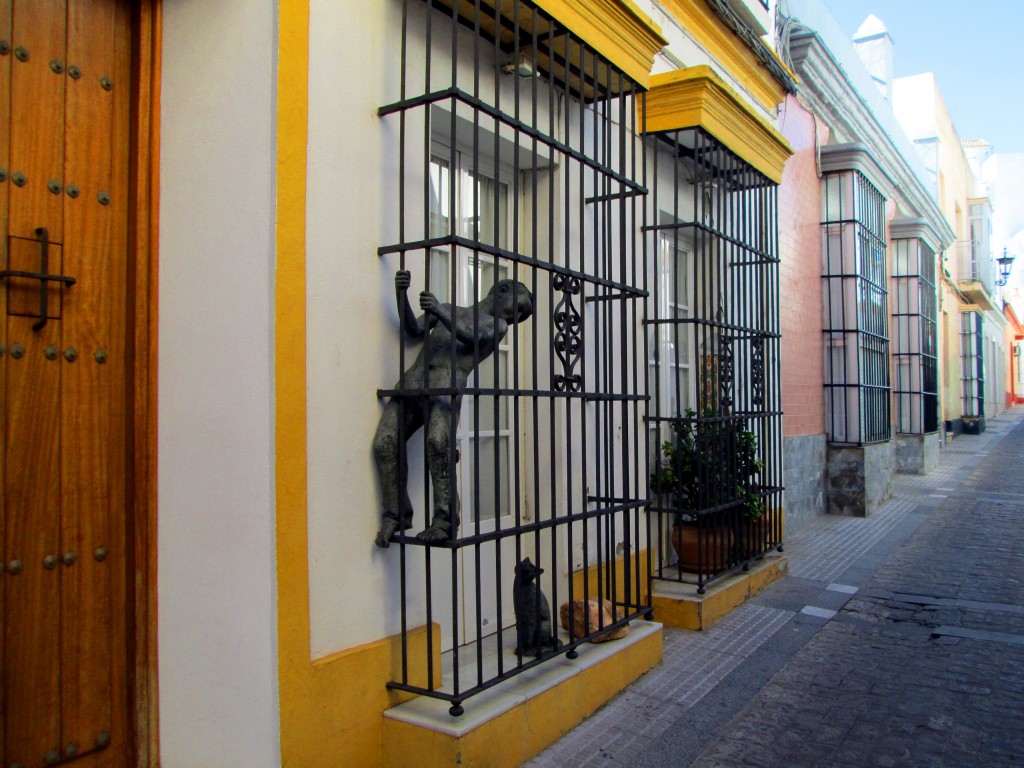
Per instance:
x=709, y=464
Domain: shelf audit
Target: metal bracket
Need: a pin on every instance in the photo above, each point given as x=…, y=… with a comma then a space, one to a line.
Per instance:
x=41, y=276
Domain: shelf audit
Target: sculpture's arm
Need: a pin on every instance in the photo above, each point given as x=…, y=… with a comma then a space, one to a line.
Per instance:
x=464, y=324
x=412, y=325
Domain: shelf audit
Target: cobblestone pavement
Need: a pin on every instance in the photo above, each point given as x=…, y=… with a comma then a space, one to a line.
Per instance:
x=896, y=640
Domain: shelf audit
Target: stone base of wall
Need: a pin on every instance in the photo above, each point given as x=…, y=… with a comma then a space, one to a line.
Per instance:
x=860, y=478
x=917, y=454
x=804, y=478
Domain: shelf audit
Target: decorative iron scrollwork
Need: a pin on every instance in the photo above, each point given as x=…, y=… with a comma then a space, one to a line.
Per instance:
x=569, y=335
x=757, y=371
x=725, y=373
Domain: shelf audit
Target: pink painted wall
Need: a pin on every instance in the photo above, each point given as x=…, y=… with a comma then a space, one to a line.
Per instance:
x=803, y=394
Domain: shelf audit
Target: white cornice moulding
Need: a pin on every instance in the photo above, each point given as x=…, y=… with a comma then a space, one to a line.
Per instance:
x=826, y=87
x=915, y=229
x=857, y=157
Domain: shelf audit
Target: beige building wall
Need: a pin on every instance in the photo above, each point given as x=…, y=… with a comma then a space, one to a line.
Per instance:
x=922, y=112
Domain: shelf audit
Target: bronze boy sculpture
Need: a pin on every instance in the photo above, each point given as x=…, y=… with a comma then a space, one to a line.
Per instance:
x=458, y=339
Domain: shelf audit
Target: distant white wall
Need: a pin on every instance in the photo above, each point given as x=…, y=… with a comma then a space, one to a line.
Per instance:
x=216, y=579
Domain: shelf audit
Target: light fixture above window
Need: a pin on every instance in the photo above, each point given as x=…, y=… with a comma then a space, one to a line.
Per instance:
x=523, y=66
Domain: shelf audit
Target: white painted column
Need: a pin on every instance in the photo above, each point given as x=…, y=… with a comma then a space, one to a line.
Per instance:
x=216, y=578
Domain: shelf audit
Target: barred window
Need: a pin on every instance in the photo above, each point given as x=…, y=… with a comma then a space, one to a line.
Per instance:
x=517, y=205
x=856, y=316
x=713, y=339
x=915, y=337
x=972, y=365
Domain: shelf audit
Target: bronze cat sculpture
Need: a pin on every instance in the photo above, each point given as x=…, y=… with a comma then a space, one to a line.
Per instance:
x=534, y=635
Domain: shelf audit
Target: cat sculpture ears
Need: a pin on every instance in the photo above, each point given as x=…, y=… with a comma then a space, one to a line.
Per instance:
x=526, y=568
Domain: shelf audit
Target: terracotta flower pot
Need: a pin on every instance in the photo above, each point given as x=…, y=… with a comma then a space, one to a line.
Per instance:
x=713, y=557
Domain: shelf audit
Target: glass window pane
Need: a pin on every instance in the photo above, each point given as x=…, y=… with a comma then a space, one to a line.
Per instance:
x=440, y=197
x=485, y=377
x=440, y=275
x=494, y=496
x=483, y=205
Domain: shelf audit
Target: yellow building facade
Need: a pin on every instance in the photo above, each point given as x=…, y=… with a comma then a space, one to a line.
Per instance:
x=275, y=149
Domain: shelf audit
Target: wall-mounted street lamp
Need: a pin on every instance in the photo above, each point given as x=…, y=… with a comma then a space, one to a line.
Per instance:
x=1005, y=263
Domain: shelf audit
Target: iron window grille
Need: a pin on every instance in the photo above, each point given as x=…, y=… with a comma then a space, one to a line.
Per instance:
x=517, y=157
x=972, y=365
x=915, y=334
x=856, y=315
x=713, y=345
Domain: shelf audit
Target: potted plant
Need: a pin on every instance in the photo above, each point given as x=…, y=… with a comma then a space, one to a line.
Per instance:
x=708, y=475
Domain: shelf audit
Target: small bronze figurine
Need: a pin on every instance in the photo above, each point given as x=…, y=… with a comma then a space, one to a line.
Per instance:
x=534, y=633
x=458, y=339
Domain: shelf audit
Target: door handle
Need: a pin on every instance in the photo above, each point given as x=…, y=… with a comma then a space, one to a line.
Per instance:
x=42, y=276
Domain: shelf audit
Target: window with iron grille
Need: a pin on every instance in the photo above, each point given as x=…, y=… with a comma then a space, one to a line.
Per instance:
x=915, y=337
x=856, y=316
x=972, y=365
x=517, y=168
x=713, y=346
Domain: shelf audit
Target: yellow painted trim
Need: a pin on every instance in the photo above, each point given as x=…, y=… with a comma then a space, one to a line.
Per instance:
x=696, y=96
x=682, y=607
x=294, y=665
x=723, y=46
x=512, y=738
x=617, y=28
x=330, y=709
x=290, y=310
x=593, y=579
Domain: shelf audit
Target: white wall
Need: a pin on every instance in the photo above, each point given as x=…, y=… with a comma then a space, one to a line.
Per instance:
x=352, y=322
x=216, y=578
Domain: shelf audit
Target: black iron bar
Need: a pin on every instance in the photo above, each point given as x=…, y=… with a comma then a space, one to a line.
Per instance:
x=591, y=152
x=510, y=121
x=456, y=240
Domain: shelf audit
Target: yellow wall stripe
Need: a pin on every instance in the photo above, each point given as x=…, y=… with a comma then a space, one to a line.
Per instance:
x=290, y=359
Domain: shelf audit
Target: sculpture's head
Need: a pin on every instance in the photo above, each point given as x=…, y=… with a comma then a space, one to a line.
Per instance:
x=512, y=300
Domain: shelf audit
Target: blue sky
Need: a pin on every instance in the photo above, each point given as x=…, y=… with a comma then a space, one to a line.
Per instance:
x=974, y=50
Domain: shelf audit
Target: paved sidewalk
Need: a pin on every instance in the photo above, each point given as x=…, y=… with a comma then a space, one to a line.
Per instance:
x=896, y=640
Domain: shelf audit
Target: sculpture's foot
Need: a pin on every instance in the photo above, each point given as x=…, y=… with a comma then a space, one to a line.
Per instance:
x=387, y=530
x=435, y=532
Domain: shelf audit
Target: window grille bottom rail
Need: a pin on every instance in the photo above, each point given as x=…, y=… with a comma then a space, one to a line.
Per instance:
x=568, y=649
x=703, y=579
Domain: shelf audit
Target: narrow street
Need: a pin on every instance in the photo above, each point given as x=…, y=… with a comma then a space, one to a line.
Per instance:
x=896, y=640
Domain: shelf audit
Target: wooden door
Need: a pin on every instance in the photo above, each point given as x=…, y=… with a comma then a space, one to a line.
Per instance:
x=64, y=608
